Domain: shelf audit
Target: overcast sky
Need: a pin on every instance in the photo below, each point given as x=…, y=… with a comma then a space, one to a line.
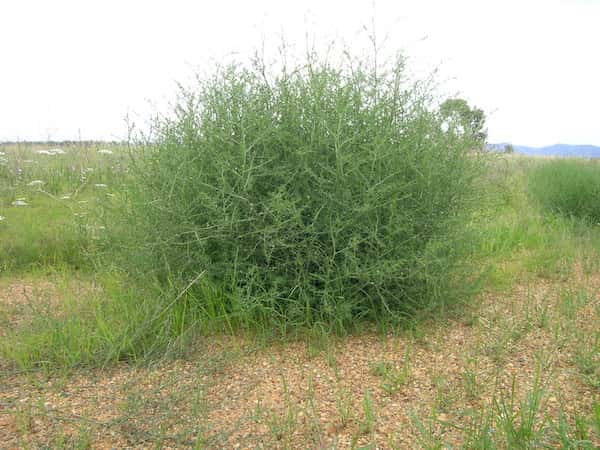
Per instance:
x=77, y=68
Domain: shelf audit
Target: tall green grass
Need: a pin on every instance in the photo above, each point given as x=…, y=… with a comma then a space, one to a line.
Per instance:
x=568, y=187
x=321, y=193
x=43, y=234
x=516, y=237
x=63, y=196
x=94, y=322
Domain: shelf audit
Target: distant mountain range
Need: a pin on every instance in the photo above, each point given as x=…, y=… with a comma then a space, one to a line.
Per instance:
x=564, y=150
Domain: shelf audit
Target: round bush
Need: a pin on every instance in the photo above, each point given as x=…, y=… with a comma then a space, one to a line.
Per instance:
x=320, y=194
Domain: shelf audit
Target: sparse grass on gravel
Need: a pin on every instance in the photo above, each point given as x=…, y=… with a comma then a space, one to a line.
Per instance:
x=229, y=392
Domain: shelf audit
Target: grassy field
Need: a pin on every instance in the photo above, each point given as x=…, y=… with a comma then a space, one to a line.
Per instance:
x=85, y=362
x=314, y=258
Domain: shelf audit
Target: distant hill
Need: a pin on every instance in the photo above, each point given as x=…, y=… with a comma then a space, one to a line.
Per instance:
x=564, y=150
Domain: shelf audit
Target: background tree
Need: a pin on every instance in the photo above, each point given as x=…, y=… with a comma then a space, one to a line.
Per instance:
x=508, y=148
x=464, y=120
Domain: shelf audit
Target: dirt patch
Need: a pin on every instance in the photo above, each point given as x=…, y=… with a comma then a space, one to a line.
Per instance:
x=23, y=299
x=392, y=391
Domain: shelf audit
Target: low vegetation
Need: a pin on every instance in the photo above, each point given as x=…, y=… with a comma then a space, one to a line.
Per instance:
x=569, y=187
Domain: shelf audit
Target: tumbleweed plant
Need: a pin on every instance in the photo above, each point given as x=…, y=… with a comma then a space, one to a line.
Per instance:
x=319, y=193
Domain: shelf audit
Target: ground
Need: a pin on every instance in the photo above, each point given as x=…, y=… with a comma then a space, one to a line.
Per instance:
x=517, y=353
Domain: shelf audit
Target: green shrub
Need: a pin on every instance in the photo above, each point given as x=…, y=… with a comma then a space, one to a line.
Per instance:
x=568, y=187
x=319, y=194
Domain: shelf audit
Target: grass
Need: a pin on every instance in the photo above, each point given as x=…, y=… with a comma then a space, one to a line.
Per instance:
x=519, y=238
x=393, y=378
x=64, y=197
x=568, y=187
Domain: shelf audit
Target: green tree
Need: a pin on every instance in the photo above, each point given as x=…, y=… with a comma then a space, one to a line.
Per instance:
x=460, y=118
x=508, y=148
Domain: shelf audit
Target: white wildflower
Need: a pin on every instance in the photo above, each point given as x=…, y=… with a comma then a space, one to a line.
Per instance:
x=105, y=151
x=51, y=152
x=2, y=218
x=20, y=202
x=101, y=185
x=35, y=183
x=65, y=197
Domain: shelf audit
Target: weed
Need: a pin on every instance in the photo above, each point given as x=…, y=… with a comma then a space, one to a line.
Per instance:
x=367, y=425
x=587, y=357
x=316, y=429
x=522, y=426
x=596, y=418
x=445, y=396
x=283, y=426
x=427, y=433
x=393, y=378
x=79, y=441
x=569, y=437
x=470, y=382
x=344, y=406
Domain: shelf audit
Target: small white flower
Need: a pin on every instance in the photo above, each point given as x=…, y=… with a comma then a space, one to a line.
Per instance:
x=89, y=169
x=20, y=202
x=105, y=151
x=2, y=154
x=101, y=185
x=51, y=152
x=29, y=161
x=2, y=218
x=35, y=183
x=66, y=197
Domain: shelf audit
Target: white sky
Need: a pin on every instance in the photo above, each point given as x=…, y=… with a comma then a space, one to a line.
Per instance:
x=79, y=67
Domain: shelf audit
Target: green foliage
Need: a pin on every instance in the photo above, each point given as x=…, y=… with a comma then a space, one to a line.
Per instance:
x=95, y=328
x=45, y=233
x=568, y=187
x=392, y=378
x=462, y=119
x=61, y=196
x=320, y=194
